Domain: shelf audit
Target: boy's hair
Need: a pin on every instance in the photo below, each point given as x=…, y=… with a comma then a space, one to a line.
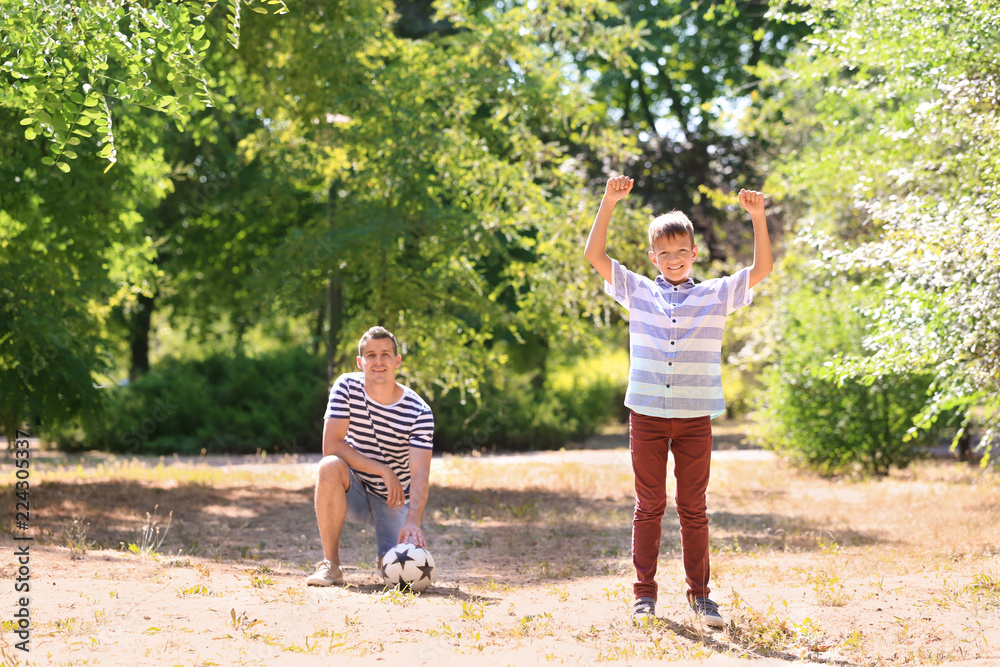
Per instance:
x=670, y=224
x=375, y=333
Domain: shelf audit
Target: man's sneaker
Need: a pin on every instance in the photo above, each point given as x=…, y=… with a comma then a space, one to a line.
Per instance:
x=707, y=612
x=326, y=574
x=643, y=609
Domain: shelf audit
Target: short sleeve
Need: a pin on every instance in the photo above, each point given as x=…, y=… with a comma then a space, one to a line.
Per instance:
x=623, y=284
x=339, y=404
x=738, y=292
x=422, y=433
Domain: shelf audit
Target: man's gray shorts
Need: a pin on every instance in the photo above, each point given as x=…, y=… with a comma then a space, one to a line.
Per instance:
x=366, y=508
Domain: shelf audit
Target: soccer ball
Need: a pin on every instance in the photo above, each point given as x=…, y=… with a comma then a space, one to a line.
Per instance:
x=408, y=566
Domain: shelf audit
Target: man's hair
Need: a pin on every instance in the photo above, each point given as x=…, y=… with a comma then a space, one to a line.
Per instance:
x=375, y=333
x=670, y=224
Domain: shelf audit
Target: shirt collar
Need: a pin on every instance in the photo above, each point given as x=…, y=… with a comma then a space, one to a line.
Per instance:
x=662, y=282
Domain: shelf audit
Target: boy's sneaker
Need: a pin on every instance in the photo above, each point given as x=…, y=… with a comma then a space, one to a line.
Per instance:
x=707, y=612
x=643, y=609
x=326, y=574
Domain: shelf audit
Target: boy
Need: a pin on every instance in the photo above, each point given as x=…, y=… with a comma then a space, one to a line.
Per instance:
x=675, y=382
x=377, y=444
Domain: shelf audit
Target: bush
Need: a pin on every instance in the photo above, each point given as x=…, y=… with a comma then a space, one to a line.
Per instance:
x=513, y=414
x=222, y=404
x=275, y=402
x=828, y=425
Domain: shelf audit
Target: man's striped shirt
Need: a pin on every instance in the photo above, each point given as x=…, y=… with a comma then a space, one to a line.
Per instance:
x=384, y=433
x=675, y=340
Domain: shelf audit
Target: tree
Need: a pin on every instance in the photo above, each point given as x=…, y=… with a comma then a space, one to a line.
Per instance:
x=886, y=126
x=692, y=73
x=73, y=78
x=63, y=62
x=452, y=196
x=72, y=249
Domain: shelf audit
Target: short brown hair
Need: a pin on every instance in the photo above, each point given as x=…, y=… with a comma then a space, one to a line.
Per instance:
x=670, y=224
x=376, y=333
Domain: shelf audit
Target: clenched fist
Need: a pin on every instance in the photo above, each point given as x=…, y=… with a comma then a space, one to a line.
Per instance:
x=618, y=188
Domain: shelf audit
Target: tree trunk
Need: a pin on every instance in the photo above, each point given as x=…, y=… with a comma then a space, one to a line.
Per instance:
x=334, y=309
x=334, y=295
x=139, y=325
x=320, y=321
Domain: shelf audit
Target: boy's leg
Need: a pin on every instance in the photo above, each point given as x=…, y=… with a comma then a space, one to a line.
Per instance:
x=649, y=442
x=692, y=449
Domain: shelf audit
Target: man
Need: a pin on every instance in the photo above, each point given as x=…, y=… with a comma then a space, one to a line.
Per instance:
x=377, y=444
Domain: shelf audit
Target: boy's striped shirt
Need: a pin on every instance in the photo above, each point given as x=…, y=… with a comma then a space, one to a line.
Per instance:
x=384, y=433
x=675, y=340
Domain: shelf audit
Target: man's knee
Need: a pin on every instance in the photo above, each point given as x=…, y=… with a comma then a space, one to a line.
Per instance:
x=333, y=471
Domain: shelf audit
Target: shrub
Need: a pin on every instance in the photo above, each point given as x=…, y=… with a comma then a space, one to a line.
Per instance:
x=222, y=404
x=827, y=425
x=574, y=401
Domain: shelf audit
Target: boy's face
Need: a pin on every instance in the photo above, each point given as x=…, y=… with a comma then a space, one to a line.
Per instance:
x=379, y=362
x=674, y=257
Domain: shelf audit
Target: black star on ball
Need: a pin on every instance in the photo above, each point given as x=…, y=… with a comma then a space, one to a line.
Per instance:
x=402, y=557
x=425, y=571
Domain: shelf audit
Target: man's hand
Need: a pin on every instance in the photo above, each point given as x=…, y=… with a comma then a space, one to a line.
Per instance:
x=397, y=497
x=411, y=533
x=752, y=201
x=618, y=188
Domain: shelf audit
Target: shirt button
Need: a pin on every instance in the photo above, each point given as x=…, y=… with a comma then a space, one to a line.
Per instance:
x=670, y=363
x=674, y=321
x=671, y=342
x=668, y=386
x=675, y=289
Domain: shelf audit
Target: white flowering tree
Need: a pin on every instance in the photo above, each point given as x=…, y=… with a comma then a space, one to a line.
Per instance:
x=887, y=127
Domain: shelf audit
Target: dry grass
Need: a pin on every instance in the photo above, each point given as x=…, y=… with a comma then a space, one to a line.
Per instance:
x=533, y=565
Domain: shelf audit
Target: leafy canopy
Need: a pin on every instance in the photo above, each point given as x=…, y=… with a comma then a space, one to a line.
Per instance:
x=887, y=129
x=63, y=61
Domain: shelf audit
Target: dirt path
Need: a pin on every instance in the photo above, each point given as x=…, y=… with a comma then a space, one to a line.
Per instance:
x=533, y=567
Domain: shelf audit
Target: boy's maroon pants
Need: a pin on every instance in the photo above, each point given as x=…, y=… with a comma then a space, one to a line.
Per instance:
x=690, y=440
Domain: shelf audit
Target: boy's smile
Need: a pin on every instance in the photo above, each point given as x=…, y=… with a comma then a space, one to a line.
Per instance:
x=674, y=256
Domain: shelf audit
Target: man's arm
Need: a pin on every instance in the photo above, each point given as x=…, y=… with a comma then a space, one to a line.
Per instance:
x=420, y=475
x=753, y=202
x=596, y=251
x=334, y=432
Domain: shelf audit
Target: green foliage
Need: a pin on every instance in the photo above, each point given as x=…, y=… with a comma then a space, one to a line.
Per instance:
x=454, y=201
x=885, y=129
x=825, y=423
x=61, y=62
x=517, y=413
x=71, y=248
x=678, y=92
x=346, y=176
x=222, y=404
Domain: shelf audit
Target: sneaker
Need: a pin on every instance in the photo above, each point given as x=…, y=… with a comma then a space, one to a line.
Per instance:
x=326, y=574
x=643, y=608
x=707, y=612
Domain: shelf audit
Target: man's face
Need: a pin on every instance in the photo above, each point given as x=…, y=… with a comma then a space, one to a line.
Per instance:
x=378, y=361
x=674, y=257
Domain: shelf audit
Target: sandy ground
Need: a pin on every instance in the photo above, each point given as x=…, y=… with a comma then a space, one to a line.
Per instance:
x=533, y=568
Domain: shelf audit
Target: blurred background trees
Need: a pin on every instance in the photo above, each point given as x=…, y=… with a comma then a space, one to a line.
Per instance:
x=884, y=130
x=434, y=167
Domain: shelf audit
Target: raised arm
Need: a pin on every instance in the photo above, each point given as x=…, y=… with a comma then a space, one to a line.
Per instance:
x=753, y=202
x=596, y=251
